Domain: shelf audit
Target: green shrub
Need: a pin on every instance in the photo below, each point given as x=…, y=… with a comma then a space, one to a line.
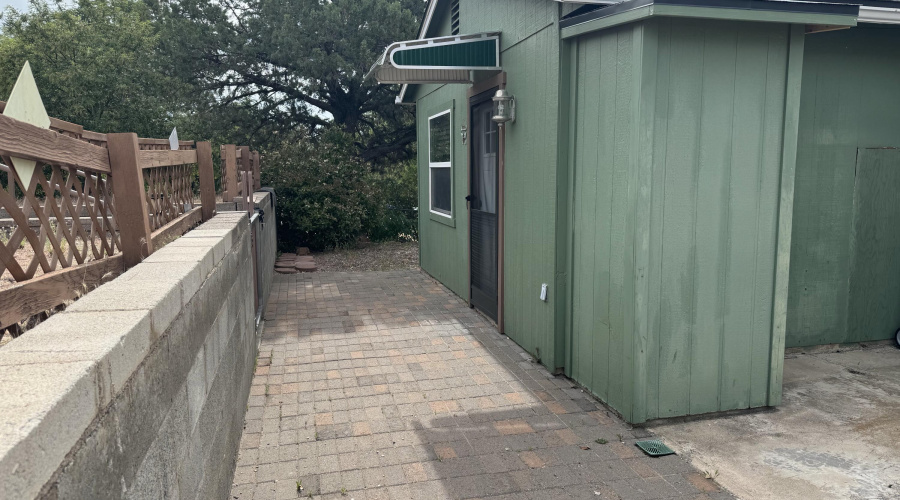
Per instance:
x=326, y=197
x=393, y=214
x=320, y=189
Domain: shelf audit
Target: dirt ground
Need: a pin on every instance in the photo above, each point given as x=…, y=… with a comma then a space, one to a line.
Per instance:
x=835, y=436
x=24, y=257
x=387, y=256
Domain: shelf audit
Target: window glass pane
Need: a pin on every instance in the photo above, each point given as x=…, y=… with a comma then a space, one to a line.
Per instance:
x=440, y=189
x=440, y=138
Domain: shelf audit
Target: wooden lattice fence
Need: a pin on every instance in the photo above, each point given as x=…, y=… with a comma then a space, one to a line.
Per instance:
x=240, y=167
x=169, y=182
x=97, y=204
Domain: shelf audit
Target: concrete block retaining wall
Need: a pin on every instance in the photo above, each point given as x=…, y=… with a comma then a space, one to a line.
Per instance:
x=268, y=243
x=139, y=389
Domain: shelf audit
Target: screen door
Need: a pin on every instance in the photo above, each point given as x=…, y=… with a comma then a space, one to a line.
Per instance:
x=483, y=234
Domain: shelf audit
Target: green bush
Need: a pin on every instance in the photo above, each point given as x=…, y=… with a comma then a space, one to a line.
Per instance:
x=393, y=214
x=321, y=196
x=326, y=197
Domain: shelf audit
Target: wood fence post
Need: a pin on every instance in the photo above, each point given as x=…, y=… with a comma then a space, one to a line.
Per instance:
x=131, y=198
x=245, y=164
x=257, y=179
x=229, y=158
x=207, y=180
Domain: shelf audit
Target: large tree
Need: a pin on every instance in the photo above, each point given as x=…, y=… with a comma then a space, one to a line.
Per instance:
x=95, y=62
x=296, y=63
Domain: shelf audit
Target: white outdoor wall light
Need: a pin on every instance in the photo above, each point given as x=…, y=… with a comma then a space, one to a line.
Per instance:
x=504, y=108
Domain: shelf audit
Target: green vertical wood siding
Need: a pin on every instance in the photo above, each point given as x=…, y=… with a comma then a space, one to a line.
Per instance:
x=718, y=136
x=530, y=56
x=529, y=259
x=677, y=172
x=602, y=244
x=875, y=246
x=443, y=249
x=515, y=19
x=848, y=101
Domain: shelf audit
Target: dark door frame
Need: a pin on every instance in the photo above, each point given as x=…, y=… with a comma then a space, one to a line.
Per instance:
x=497, y=81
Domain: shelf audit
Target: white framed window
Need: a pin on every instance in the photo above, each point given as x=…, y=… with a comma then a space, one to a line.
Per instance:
x=440, y=161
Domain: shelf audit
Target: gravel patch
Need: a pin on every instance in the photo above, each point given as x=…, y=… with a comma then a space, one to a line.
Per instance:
x=387, y=256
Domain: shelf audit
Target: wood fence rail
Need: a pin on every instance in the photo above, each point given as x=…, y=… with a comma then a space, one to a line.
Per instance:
x=96, y=205
x=239, y=165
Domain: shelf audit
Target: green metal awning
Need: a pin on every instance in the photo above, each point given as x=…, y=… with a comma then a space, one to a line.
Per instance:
x=437, y=60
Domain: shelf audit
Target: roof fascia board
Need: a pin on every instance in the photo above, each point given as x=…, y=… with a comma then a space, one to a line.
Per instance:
x=755, y=15
x=602, y=23
x=787, y=12
x=878, y=15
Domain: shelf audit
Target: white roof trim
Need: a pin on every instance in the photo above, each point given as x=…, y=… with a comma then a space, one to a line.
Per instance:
x=432, y=6
x=399, y=98
x=429, y=15
x=880, y=15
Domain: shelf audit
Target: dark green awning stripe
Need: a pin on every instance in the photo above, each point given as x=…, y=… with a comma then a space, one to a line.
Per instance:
x=468, y=54
x=438, y=60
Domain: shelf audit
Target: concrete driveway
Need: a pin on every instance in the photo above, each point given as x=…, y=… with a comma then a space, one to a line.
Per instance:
x=837, y=435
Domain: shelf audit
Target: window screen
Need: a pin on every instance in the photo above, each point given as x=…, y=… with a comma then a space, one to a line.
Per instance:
x=440, y=189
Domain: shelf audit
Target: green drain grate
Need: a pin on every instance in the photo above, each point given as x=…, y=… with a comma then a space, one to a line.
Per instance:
x=654, y=448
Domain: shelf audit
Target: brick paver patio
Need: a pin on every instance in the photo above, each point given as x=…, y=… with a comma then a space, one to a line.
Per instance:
x=386, y=385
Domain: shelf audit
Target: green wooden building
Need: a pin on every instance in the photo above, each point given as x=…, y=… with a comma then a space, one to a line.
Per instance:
x=687, y=188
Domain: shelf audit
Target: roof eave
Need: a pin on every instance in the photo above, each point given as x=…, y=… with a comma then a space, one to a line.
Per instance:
x=800, y=12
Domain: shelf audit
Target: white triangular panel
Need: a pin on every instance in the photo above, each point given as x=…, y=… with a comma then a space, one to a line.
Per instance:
x=173, y=139
x=24, y=169
x=25, y=104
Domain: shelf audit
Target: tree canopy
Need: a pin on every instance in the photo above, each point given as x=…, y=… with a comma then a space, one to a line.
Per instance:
x=96, y=63
x=289, y=64
x=229, y=70
x=285, y=76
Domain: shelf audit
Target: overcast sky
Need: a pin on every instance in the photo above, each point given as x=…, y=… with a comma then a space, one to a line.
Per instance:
x=18, y=4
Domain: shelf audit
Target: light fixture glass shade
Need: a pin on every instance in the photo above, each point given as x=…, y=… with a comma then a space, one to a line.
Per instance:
x=504, y=107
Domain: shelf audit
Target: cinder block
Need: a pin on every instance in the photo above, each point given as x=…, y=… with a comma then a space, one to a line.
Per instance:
x=186, y=274
x=157, y=475
x=43, y=413
x=217, y=244
x=202, y=255
x=214, y=348
x=196, y=387
x=164, y=301
x=117, y=342
x=225, y=207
